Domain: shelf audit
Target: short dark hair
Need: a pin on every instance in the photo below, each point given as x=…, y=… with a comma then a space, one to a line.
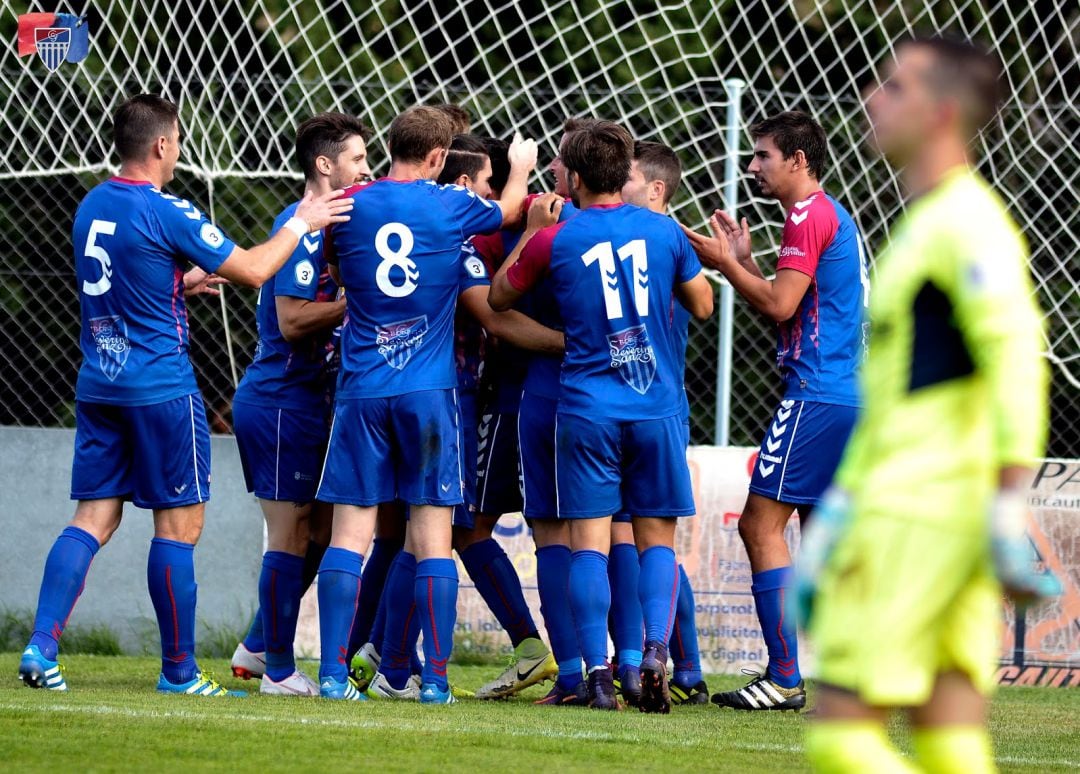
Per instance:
x=659, y=162
x=600, y=154
x=499, y=153
x=793, y=131
x=577, y=123
x=465, y=156
x=325, y=134
x=139, y=121
x=417, y=132
x=458, y=115
x=968, y=72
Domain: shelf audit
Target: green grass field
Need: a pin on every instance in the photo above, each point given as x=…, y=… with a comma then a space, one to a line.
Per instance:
x=113, y=720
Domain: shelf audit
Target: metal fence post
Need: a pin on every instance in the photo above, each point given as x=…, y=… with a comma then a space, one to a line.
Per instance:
x=734, y=88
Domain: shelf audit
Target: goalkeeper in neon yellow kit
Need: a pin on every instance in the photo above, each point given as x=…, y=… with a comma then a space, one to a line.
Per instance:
x=901, y=571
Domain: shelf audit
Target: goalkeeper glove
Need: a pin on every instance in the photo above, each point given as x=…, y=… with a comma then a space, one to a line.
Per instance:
x=819, y=539
x=1014, y=557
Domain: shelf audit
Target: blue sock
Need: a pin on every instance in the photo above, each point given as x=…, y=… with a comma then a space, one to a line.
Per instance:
x=339, y=589
x=779, y=632
x=253, y=640
x=170, y=576
x=402, y=624
x=280, y=589
x=376, y=568
x=553, y=580
x=659, y=591
x=684, y=639
x=590, y=598
x=497, y=581
x=61, y=584
x=436, y=602
x=627, y=630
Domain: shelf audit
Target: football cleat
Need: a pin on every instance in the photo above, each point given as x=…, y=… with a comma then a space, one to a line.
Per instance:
x=698, y=693
x=761, y=693
x=601, y=690
x=365, y=664
x=578, y=696
x=296, y=684
x=203, y=684
x=380, y=688
x=248, y=664
x=329, y=688
x=433, y=694
x=39, y=672
x=655, y=695
x=628, y=683
x=531, y=663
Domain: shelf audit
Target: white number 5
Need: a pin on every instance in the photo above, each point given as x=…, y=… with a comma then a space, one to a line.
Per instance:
x=98, y=253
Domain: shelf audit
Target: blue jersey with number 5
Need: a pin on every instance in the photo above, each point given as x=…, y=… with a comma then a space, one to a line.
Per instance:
x=399, y=257
x=613, y=270
x=132, y=243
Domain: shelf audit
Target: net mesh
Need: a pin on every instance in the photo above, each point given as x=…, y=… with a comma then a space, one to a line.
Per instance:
x=246, y=73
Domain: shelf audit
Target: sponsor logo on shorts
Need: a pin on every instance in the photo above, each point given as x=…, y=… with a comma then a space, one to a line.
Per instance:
x=111, y=341
x=633, y=357
x=398, y=341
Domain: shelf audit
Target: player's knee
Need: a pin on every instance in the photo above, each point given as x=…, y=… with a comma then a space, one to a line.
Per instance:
x=99, y=518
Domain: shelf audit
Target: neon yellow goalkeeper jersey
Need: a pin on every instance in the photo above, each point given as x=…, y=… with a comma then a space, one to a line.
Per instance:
x=954, y=385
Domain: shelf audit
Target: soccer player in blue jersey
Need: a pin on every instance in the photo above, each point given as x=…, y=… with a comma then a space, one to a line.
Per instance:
x=281, y=411
x=619, y=440
x=818, y=301
x=141, y=431
x=655, y=175
x=395, y=432
x=469, y=166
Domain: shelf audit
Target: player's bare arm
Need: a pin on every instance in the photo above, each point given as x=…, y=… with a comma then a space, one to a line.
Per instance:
x=544, y=212
x=522, y=156
x=255, y=265
x=299, y=317
x=696, y=296
x=512, y=326
x=777, y=299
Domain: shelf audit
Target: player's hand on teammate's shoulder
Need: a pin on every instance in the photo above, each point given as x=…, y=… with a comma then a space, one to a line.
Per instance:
x=716, y=251
x=522, y=153
x=321, y=211
x=545, y=211
x=198, y=282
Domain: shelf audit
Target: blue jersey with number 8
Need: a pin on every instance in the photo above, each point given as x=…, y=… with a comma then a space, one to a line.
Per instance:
x=132, y=243
x=399, y=258
x=613, y=270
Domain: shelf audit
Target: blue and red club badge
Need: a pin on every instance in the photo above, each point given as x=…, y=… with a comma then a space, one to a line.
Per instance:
x=55, y=37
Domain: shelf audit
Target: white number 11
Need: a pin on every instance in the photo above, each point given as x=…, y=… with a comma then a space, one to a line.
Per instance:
x=609, y=277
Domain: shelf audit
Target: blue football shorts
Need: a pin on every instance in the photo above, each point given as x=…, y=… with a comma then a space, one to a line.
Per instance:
x=801, y=451
x=157, y=456
x=400, y=447
x=536, y=450
x=281, y=450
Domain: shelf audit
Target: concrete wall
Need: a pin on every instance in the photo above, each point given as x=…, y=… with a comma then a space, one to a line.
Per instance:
x=35, y=474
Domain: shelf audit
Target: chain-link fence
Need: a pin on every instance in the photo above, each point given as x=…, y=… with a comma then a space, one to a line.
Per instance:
x=246, y=73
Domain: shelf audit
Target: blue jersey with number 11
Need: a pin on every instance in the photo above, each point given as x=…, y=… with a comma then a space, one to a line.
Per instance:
x=132, y=244
x=399, y=258
x=613, y=270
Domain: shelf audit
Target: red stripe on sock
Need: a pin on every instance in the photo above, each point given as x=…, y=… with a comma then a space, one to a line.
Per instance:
x=780, y=625
x=673, y=602
x=518, y=622
x=678, y=641
x=431, y=612
x=343, y=650
x=175, y=614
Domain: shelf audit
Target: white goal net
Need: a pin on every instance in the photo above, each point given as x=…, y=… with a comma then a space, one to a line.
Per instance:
x=245, y=73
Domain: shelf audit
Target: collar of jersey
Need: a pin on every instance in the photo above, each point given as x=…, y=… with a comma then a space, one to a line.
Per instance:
x=128, y=181
x=612, y=206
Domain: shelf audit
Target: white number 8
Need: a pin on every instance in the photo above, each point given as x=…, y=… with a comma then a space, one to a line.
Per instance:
x=395, y=258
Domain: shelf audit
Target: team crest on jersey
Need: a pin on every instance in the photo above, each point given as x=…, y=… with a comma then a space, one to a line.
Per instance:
x=633, y=357
x=398, y=341
x=111, y=342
